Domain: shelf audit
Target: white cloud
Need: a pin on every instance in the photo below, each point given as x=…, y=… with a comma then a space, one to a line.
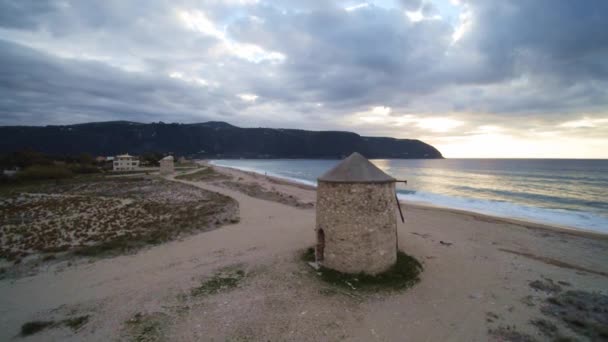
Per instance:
x=585, y=123
x=381, y=115
x=356, y=7
x=198, y=21
x=465, y=23
x=181, y=76
x=248, y=97
x=437, y=124
x=414, y=16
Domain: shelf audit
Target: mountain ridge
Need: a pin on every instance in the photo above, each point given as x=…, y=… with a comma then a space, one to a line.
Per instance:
x=212, y=139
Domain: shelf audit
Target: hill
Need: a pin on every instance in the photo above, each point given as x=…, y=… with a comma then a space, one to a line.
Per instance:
x=205, y=140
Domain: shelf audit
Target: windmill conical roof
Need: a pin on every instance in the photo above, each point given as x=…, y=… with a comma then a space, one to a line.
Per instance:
x=356, y=169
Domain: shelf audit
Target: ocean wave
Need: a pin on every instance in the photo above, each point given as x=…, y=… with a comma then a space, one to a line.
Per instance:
x=264, y=172
x=495, y=207
x=561, y=217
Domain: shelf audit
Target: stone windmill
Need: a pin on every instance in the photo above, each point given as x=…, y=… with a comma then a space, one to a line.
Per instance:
x=356, y=218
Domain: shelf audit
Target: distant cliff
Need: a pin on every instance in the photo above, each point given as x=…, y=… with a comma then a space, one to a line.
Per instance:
x=205, y=140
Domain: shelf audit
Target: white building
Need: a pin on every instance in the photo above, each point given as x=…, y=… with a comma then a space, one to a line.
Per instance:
x=166, y=166
x=125, y=162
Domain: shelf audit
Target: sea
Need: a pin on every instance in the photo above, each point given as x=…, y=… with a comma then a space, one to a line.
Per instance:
x=566, y=192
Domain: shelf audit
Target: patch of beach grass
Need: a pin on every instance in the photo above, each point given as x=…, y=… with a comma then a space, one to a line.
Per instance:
x=221, y=281
x=545, y=285
x=34, y=327
x=100, y=216
x=546, y=327
x=586, y=313
x=76, y=322
x=146, y=327
x=404, y=274
x=510, y=334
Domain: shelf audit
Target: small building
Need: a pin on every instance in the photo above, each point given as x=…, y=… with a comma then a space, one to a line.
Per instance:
x=356, y=224
x=12, y=172
x=166, y=165
x=125, y=162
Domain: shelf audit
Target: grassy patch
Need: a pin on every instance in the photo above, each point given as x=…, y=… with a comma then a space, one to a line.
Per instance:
x=33, y=327
x=546, y=327
x=204, y=174
x=585, y=313
x=511, y=335
x=222, y=281
x=76, y=322
x=146, y=327
x=96, y=216
x=545, y=285
x=404, y=274
x=308, y=255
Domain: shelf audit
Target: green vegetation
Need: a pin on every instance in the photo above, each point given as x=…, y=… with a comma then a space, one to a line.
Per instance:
x=40, y=172
x=545, y=285
x=584, y=312
x=31, y=328
x=510, y=334
x=76, y=322
x=35, y=166
x=204, y=174
x=151, y=158
x=224, y=280
x=34, y=327
x=546, y=327
x=404, y=274
x=146, y=327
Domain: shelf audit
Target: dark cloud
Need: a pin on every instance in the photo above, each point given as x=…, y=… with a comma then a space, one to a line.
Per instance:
x=565, y=39
x=311, y=64
x=39, y=88
x=25, y=14
x=411, y=5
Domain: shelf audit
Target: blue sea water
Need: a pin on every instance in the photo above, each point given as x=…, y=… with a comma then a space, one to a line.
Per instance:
x=566, y=192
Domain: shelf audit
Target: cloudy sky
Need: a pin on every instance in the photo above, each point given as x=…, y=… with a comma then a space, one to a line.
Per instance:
x=475, y=78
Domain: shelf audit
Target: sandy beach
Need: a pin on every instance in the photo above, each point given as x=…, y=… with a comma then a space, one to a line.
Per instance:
x=484, y=279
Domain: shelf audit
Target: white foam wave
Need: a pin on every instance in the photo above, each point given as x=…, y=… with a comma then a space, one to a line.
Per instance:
x=564, y=218
x=264, y=172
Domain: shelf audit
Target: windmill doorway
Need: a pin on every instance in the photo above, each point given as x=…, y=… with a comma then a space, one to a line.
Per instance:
x=319, y=256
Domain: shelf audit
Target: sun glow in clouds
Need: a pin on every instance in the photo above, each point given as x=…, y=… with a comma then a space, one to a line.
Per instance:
x=585, y=123
x=465, y=22
x=438, y=124
x=180, y=76
x=248, y=97
x=356, y=7
x=381, y=115
x=198, y=21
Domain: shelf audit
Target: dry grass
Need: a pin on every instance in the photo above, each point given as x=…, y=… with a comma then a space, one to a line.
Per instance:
x=100, y=215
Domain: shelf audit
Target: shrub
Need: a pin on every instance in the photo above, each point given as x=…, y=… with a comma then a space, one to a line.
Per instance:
x=40, y=172
x=30, y=328
x=84, y=168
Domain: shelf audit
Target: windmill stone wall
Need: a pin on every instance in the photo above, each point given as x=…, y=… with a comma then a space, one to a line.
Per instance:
x=356, y=218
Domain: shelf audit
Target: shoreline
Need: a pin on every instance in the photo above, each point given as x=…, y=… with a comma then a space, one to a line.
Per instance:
x=528, y=224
